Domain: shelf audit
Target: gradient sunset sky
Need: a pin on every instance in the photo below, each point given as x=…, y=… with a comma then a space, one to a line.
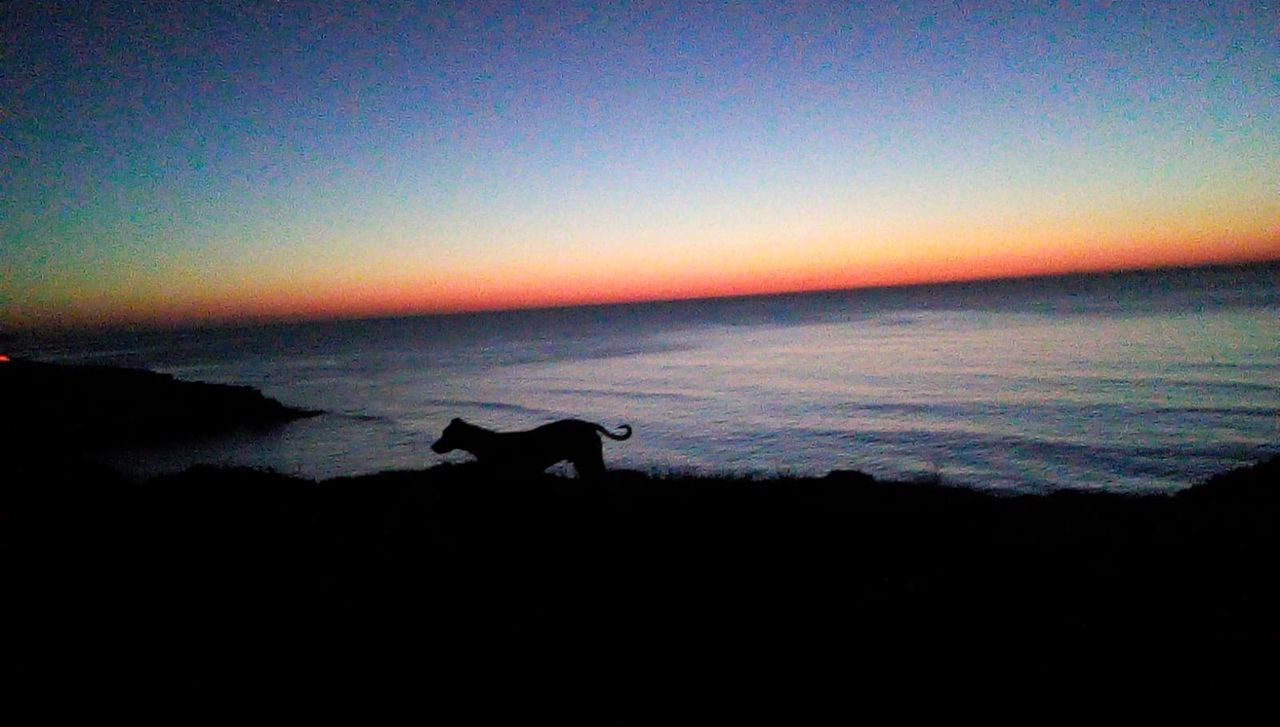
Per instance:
x=193, y=161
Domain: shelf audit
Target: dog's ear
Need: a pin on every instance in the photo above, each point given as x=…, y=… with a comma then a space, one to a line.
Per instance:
x=456, y=420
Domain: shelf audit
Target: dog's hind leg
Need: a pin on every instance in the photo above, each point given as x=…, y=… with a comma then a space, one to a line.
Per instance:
x=588, y=469
x=589, y=463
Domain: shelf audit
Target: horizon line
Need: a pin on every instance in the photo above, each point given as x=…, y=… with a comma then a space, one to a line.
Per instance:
x=250, y=320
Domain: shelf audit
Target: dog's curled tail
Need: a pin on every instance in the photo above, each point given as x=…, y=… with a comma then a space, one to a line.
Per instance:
x=611, y=435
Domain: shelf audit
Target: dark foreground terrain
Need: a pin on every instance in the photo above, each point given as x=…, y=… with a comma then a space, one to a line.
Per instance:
x=444, y=596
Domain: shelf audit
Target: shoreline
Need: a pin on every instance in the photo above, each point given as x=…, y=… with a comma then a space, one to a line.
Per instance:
x=1121, y=426
x=139, y=422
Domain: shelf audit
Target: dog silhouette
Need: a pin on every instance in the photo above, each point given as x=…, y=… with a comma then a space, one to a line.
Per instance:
x=534, y=450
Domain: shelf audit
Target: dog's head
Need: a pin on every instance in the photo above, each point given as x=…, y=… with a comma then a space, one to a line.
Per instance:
x=453, y=437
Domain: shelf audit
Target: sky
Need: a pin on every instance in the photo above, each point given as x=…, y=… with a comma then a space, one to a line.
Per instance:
x=173, y=162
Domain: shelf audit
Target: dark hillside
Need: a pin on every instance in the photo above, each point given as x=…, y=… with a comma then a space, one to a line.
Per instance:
x=636, y=600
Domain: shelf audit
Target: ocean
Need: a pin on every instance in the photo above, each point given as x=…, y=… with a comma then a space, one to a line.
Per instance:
x=1136, y=381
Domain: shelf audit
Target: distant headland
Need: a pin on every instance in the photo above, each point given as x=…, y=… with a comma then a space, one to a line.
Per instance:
x=77, y=407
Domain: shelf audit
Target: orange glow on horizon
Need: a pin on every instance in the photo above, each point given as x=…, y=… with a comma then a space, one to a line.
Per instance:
x=548, y=287
x=940, y=257
x=405, y=295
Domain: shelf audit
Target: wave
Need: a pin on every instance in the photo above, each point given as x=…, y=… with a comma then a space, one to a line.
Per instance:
x=488, y=406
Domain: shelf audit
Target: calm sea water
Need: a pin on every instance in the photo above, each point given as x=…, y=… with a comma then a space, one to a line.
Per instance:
x=1133, y=381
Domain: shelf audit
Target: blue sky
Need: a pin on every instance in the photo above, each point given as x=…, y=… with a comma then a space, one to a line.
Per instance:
x=292, y=159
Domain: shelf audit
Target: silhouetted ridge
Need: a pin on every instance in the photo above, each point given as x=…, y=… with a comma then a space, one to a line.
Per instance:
x=92, y=406
x=459, y=595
